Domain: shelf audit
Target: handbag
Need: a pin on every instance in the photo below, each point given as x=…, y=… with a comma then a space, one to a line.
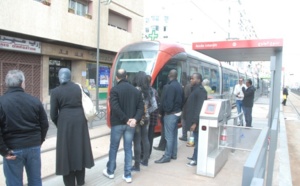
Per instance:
x=89, y=109
x=284, y=96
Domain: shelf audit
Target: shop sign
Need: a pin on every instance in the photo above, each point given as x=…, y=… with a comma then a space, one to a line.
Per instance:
x=18, y=44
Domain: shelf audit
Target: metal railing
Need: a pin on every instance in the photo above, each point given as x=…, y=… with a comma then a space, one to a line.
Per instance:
x=235, y=133
x=256, y=165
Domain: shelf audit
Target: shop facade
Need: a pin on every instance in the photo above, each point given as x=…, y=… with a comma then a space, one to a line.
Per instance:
x=41, y=61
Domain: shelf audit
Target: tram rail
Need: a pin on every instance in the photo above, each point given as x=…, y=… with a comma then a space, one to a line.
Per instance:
x=294, y=99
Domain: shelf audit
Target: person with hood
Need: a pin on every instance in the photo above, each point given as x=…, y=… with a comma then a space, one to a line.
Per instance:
x=193, y=108
x=248, y=102
x=73, y=145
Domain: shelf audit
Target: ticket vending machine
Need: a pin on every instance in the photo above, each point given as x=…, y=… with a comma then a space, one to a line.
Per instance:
x=211, y=158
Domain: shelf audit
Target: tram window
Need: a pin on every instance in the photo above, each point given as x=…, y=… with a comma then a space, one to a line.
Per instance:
x=206, y=73
x=162, y=77
x=133, y=66
x=233, y=81
x=136, y=61
x=193, y=70
x=225, y=81
x=214, y=80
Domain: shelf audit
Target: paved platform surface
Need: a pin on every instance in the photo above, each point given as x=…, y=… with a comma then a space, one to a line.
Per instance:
x=177, y=172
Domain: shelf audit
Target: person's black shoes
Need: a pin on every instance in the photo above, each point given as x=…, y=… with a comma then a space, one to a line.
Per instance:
x=163, y=160
x=144, y=163
x=135, y=168
x=183, y=139
x=190, y=158
x=159, y=148
x=174, y=157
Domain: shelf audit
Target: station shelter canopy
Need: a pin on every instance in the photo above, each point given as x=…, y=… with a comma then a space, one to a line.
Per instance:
x=240, y=50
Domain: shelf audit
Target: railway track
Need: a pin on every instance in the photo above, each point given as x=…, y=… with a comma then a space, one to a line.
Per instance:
x=292, y=123
x=294, y=100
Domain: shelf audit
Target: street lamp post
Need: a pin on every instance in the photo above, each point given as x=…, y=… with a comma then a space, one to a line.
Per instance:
x=98, y=52
x=98, y=55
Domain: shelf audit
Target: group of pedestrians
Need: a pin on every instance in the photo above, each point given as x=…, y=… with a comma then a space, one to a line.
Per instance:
x=131, y=110
x=135, y=109
x=24, y=125
x=244, y=100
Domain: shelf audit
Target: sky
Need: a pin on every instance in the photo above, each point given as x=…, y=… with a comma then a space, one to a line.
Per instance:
x=270, y=18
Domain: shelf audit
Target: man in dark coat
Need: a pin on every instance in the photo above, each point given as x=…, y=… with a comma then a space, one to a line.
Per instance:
x=193, y=108
x=248, y=102
x=171, y=107
x=127, y=107
x=187, y=91
x=73, y=146
x=162, y=142
x=23, y=128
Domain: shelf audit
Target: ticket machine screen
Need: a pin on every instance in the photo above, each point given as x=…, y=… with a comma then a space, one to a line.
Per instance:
x=210, y=109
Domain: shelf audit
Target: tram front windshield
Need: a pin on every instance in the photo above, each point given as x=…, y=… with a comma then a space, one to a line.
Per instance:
x=135, y=61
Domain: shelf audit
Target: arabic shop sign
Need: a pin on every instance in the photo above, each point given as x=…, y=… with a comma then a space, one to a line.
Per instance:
x=18, y=44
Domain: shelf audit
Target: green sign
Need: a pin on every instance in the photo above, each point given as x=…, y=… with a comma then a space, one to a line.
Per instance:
x=153, y=35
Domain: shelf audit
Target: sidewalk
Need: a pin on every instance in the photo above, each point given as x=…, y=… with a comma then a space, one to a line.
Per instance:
x=176, y=172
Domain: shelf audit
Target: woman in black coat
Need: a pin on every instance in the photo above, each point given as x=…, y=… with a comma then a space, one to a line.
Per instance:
x=73, y=147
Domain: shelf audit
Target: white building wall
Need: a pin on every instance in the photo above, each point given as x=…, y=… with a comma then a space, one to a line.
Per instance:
x=54, y=22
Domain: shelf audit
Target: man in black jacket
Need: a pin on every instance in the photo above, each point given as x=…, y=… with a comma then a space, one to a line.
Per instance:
x=23, y=128
x=162, y=142
x=127, y=108
x=248, y=102
x=171, y=107
x=193, y=107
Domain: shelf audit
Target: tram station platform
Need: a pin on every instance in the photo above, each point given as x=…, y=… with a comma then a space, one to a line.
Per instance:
x=177, y=172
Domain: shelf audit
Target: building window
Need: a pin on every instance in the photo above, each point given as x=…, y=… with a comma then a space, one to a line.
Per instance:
x=147, y=20
x=155, y=18
x=80, y=7
x=165, y=28
x=166, y=19
x=155, y=27
x=119, y=21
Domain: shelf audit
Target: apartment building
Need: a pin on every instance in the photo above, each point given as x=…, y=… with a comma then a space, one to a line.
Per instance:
x=41, y=36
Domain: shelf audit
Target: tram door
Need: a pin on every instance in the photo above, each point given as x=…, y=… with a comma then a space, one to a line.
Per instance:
x=162, y=77
x=54, y=66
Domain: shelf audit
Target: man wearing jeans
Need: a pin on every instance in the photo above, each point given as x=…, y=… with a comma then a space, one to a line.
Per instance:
x=23, y=128
x=248, y=102
x=239, y=96
x=171, y=105
x=127, y=108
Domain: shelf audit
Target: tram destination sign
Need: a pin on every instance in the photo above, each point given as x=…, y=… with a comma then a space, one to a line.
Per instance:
x=261, y=43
